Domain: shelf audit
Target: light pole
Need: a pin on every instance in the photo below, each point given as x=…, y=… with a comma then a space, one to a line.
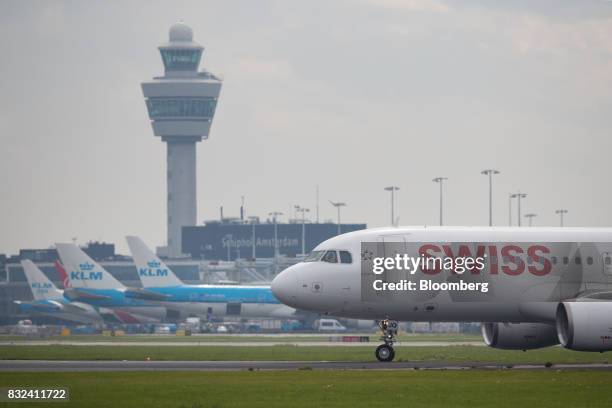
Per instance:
x=338, y=205
x=490, y=173
x=510, y=209
x=303, y=211
x=518, y=196
x=530, y=217
x=561, y=211
x=440, y=180
x=275, y=214
x=392, y=189
x=317, y=204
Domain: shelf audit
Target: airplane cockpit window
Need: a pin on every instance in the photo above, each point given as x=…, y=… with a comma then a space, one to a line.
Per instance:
x=314, y=256
x=345, y=257
x=330, y=256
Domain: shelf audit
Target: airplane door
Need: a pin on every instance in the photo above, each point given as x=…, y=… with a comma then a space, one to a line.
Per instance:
x=390, y=246
x=606, y=258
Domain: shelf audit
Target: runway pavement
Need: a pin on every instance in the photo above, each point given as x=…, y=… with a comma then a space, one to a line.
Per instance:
x=235, y=343
x=45, y=365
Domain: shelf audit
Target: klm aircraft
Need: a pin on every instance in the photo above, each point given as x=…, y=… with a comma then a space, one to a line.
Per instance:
x=50, y=301
x=203, y=300
x=90, y=283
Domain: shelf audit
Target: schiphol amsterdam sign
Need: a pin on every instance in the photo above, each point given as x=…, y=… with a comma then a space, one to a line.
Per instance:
x=283, y=242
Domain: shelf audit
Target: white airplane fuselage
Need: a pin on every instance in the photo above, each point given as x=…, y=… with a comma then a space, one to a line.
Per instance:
x=528, y=271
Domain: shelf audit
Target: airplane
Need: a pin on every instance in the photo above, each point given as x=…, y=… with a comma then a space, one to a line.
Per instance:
x=88, y=282
x=203, y=300
x=109, y=314
x=530, y=287
x=50, y=301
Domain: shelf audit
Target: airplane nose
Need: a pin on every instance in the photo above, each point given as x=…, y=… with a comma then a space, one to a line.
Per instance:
x=284, y=287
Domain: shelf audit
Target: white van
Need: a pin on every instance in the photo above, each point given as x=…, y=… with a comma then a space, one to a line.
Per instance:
x=329, y=325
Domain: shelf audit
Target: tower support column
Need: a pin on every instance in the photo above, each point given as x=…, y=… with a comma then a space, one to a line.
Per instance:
x=181, y=199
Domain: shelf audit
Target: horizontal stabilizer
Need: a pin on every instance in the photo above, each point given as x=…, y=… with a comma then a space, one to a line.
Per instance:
x=41, y=307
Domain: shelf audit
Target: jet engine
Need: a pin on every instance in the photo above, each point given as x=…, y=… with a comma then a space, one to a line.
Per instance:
x=585, y=326
x=519, y=336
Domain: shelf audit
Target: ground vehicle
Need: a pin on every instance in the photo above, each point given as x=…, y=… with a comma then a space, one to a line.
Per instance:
x=329, y=325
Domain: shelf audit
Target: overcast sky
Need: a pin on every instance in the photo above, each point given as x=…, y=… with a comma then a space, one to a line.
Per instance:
x=348, y=95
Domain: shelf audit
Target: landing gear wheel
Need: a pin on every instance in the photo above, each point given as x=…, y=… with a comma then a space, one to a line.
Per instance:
x=385, y=353
x=388, y=329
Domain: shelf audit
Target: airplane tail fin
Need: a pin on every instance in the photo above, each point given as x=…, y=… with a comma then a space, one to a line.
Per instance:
x=84, y=272
x=63, y=275
x=151, y=270
x=41, y=286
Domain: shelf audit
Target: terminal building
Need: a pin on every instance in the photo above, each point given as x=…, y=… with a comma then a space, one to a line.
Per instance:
x=229, y=241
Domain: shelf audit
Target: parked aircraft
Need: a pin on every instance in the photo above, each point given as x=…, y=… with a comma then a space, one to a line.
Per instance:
x=92, y=284
x=50, y=301
x=203, y=300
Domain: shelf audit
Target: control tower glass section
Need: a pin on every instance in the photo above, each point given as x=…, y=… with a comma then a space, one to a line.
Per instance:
x=181, y=59
x=200, y=108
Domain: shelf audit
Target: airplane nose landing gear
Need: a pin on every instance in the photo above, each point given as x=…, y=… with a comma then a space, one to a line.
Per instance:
x=385, y=352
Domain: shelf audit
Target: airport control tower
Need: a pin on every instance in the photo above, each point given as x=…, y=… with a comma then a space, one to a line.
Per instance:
x=181, y=107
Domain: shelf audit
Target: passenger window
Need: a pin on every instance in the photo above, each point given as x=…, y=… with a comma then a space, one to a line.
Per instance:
x=608, y=260
x=577, y=260
x=330, y=256
x=345, y=257
x=565, y=260
x=589, y=260
x=554, y=260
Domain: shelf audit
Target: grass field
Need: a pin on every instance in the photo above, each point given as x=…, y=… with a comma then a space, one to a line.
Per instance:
x=472, y=388
x=554, y=355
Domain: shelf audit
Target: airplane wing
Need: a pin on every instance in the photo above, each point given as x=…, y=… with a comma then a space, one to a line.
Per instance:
x=122, y=316
x=75, y=308
x=75, y=294
x=144, y=294
x=594, y=294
